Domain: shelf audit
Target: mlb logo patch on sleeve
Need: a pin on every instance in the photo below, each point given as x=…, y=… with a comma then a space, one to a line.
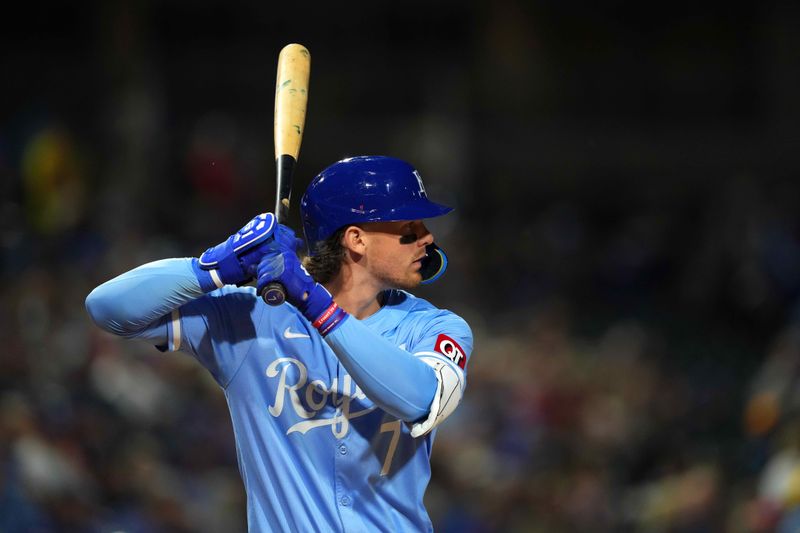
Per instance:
x=450, y=349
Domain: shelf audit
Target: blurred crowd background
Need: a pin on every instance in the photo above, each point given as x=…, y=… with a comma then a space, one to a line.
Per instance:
x=625, y=245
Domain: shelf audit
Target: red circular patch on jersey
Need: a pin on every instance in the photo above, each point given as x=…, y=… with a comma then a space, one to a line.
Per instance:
x=450, y=349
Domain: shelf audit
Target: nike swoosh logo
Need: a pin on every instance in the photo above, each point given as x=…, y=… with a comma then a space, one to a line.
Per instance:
x=289, y=334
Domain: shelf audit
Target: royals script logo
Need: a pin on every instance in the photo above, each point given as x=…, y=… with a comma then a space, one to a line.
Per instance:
x=295, y=385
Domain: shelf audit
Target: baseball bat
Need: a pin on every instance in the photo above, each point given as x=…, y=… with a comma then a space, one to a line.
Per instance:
x=291, y=99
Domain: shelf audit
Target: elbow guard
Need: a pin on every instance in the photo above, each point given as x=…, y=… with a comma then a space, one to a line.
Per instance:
x=449, y=392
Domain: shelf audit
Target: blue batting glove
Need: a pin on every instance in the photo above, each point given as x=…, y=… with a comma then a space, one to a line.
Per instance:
x=284, y=240
x=281, y=264
x=235, y=261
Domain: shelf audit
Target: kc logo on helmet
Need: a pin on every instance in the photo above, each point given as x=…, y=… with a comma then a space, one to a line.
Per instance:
x=450, y=349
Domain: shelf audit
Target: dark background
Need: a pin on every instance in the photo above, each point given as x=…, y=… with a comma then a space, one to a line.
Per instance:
x=625, y=246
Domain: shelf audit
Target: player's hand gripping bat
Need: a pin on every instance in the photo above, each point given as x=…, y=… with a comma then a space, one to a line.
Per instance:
x=291, y=98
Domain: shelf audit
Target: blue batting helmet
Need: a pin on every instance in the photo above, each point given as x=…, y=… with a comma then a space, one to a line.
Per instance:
x=366, y=189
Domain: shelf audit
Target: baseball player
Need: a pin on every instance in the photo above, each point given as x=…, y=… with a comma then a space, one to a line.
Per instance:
x=334, y=398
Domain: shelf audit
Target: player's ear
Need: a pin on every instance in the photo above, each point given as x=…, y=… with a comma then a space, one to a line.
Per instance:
x=353, y=239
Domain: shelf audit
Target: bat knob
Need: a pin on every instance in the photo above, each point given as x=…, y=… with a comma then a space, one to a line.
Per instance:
x=274, y=294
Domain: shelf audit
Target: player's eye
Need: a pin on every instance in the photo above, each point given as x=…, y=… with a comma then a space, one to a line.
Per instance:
x=408, y=238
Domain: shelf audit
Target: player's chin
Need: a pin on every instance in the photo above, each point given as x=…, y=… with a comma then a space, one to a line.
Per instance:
x=411, y=281
x=414, y=280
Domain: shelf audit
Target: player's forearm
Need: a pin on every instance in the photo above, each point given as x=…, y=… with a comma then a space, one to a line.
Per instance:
x=397, y=381
x=129, y=303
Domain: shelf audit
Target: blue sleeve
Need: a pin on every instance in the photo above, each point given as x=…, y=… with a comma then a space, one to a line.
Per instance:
x=136, y=304
x=163, y=303
x=446, y=336
x=394, y=379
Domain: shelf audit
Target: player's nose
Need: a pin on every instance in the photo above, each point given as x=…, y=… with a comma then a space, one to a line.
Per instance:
x=425, y=235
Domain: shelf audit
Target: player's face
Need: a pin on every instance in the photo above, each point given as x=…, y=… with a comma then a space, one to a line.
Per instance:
x=394, y=252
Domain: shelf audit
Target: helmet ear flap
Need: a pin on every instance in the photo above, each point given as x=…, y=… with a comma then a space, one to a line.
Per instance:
x=434, y=264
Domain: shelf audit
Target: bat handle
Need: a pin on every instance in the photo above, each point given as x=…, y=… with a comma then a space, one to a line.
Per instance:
x=274, y=293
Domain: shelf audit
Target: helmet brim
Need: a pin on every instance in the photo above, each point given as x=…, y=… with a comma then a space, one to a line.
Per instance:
x=418, y=210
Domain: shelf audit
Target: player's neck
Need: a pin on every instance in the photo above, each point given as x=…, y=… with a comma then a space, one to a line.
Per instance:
x=355, y=294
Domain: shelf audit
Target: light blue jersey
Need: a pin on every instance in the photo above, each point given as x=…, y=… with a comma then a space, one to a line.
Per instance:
x=315, y=453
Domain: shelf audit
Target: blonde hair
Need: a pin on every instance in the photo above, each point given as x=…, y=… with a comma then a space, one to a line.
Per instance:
x=328, y=256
